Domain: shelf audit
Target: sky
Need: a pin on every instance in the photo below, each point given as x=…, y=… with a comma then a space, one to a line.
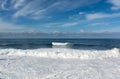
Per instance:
x=54, y=16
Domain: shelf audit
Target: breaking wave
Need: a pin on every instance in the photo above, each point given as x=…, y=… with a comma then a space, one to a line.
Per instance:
x=62, y=53
x=61, y=44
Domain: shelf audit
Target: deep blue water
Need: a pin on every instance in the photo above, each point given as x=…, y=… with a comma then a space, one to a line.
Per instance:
x=47, y=43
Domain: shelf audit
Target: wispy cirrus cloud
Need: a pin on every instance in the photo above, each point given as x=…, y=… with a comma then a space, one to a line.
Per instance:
x=12, y=4
x=61, y=24
x=58, y=14
x=101, y=15
x=70, y=24
x=40, y=9
x=115, y=3
x=92, y=16
x=18, y=3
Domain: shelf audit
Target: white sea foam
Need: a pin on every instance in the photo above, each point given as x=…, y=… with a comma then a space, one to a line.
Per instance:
x=31, y=64
x=60, y=43
x=62, y=53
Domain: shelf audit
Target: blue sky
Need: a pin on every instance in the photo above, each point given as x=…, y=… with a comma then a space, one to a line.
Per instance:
x=60, y=15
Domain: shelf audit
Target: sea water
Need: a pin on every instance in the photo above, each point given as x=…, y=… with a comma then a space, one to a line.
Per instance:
x=77, y=48
x=68, y=59
x=99, y=44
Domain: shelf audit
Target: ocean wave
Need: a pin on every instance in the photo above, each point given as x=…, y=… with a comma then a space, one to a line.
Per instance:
x=53, y=43
x=72, y=45
x=61, y=44
x=62, y=53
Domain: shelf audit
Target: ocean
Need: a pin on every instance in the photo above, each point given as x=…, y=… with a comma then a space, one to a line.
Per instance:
x=59, y=58
x=61, y=48
x=99, y=44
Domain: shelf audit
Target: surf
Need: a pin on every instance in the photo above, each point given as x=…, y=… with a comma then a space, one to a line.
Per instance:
x=62, y=53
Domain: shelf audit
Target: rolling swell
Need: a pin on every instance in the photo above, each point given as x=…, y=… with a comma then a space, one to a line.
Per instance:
x=25, y=46
x=98, y=44
x=49, y=45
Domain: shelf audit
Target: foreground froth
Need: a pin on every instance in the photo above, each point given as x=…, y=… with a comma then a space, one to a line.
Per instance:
x=59, y=64
x=46, y=68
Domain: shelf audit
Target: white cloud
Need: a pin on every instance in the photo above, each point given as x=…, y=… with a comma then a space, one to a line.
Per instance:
x=115, y=3
x=3, y=5
x=32, y=9
x=82, y=31
x=81, y=13
x=59, y=24
x=70, y=24
x=101, y=15
x=99, y=24
x=56, y=32
x=51, y=24
x=6, y=27
x=19, y=3
x=79, y=16
x=42, y=8
x=13, y=4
